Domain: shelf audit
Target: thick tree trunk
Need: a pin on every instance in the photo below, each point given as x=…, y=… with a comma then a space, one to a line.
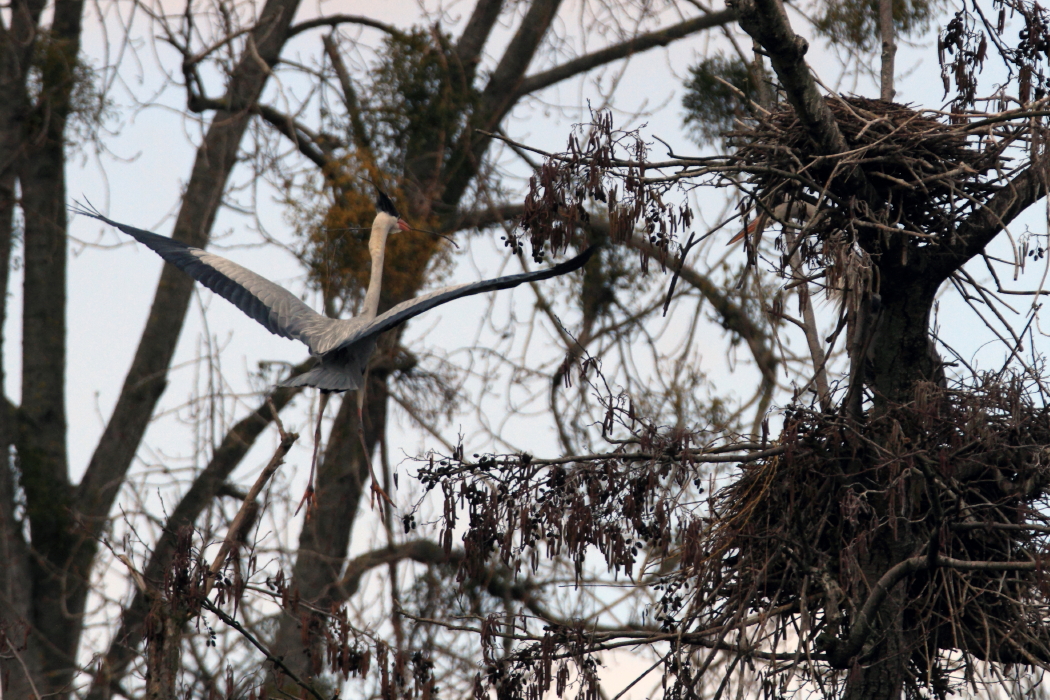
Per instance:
x=882, y=677
x=15, y=597
x=17, y=39
x=897, y=356
x=59, y=583
x=900, y=352
x=881, y=667
x=164, y=653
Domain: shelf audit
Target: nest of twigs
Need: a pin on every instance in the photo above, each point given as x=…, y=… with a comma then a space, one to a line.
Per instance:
x=925, y=174
x=952, y=476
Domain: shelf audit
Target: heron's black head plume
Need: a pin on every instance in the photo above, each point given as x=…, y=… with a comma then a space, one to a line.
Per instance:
x=385, y=205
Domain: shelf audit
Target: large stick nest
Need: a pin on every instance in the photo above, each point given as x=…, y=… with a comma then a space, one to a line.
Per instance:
x=955, y=474
x=926, y=174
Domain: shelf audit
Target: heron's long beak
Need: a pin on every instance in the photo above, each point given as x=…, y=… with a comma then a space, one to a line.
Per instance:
x=405, y=227
x=749, y=229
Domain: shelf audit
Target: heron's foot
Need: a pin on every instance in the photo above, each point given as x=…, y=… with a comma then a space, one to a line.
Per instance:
x=308, y=500
x=379, y=495
x=308, y=497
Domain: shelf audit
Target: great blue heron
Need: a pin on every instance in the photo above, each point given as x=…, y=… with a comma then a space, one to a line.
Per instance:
x=342, y=347
x=788, y=212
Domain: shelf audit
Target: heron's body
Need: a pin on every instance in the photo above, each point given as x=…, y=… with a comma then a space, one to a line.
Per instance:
x=343, y=347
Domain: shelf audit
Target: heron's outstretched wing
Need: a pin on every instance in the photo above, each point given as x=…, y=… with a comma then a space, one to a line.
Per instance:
x=413, y=307
x=278, y=310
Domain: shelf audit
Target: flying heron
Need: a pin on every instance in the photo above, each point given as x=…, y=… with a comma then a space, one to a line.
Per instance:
x=343, y=347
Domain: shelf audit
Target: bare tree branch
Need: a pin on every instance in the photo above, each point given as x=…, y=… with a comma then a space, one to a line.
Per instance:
x=422, y=551
x=308, y=143
x=475, y=35
x=767, y=23
x=1024, y=190
x=336, y=20
x=841, y=653
x=277, y=661
x=638, y=44
x=499, y=95
x=732, y=316
x=349, y=95
x=241, y=521
x=484, y=218
x=809, y=326
x=200, y=495
x=325, y=537
x=889, y=48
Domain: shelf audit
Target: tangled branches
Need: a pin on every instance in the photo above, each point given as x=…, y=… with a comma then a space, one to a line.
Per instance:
x=901, y=531
x=923, y=175
x=931, y=514
x=944, y=494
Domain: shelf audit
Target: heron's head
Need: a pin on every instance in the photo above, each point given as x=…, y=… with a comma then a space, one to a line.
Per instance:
x=387, y=217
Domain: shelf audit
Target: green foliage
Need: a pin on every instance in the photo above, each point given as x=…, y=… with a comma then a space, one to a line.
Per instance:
x=710, y=104
x=62, y=83
x=612, y=275
x=854, y=23
x=416, y=104
x=419, y=100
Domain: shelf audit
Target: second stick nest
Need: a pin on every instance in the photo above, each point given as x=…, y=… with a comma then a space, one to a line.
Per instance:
x=954, y=476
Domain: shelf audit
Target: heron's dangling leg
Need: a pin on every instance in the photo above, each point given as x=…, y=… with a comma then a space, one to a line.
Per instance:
x=308, y=497
x=378, y=494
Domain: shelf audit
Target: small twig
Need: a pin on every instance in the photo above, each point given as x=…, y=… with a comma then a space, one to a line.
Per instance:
x=678, y=270
x=614, y=162
x=25, y=670
x=140, y=582
x=208, y=605
x=204, y=53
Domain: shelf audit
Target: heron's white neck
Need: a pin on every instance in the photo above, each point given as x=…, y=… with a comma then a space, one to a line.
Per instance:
x=377, y=249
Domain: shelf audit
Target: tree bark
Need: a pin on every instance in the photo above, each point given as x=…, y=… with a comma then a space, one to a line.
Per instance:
x=767, y=23
x=899, y=351
x=59, y=585
x=889, y=48
x=880, y=666
x=475, y=35
x=16, y=591
x=163, y=653
x=640, y=43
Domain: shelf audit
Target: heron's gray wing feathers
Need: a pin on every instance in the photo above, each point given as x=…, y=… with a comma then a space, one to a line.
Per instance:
x=413, y=307
x=278, y=310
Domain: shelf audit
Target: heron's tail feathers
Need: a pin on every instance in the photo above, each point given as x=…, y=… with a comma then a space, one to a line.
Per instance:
x=327, y=378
